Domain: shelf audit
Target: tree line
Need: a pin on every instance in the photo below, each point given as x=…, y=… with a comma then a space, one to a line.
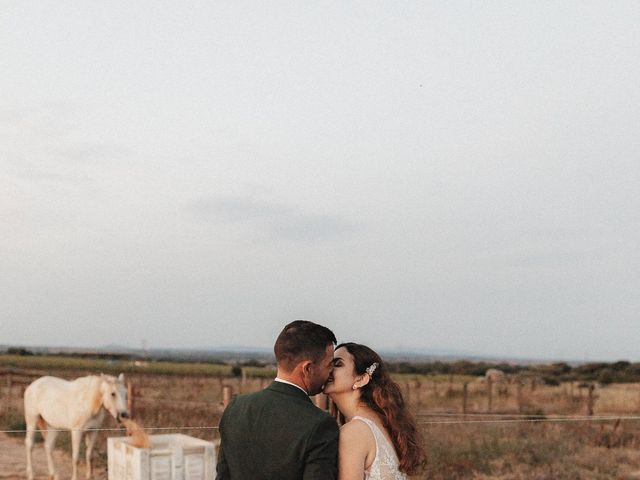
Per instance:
x=551, y=373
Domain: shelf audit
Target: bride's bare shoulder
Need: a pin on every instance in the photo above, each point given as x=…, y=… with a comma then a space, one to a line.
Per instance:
x=356, y=430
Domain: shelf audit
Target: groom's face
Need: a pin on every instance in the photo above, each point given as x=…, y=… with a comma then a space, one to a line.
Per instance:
x=320, y=371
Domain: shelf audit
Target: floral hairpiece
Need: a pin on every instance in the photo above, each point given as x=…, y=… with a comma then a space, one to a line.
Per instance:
x=372, y=368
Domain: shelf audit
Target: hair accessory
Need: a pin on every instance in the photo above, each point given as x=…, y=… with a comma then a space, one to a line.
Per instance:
x=372, y=368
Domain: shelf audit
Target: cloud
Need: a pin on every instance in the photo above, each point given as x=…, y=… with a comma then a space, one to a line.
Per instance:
x=558, y=258
x=276, y=220
x=83, y=152
x=49, y=118
x=52, y=133
x=238, y=209
x=50, y=177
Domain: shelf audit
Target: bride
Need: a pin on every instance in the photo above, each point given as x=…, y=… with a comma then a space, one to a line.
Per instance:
x=380, y=440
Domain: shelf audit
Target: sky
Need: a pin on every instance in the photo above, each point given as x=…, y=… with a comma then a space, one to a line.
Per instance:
x=439, y=175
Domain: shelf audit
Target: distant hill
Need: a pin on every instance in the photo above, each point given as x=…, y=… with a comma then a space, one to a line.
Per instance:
x=240, y=353
x=400, y=361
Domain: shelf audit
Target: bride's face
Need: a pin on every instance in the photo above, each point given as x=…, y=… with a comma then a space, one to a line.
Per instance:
x=343, y=375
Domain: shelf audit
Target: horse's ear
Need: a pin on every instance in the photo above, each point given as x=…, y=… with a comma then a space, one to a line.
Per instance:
x=121, y=377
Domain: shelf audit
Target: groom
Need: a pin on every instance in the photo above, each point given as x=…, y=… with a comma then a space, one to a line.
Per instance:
x=278, y=433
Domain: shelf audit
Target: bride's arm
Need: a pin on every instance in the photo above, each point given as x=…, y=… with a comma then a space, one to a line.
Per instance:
x=356, y=450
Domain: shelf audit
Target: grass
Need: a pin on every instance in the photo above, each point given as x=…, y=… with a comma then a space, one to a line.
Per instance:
x=188, y=395
x=529, y=451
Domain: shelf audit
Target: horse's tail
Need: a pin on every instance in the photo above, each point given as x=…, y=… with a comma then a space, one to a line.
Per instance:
x=42, y=426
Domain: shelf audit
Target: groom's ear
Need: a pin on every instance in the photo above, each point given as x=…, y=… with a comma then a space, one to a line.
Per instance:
x=306, y=366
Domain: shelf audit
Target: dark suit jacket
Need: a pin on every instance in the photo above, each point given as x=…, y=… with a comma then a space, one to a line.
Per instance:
x=277, y=433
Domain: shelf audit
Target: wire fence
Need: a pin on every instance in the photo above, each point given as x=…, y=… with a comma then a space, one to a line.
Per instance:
x=502, y=419
x=21, y=378
x=120, y=429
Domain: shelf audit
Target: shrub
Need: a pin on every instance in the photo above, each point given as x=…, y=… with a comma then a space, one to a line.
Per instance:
x=552, y=381
x=606, y=376
x=19, y=351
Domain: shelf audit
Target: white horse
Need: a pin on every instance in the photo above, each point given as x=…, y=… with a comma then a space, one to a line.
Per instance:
x=53, y=403
x=496, y=376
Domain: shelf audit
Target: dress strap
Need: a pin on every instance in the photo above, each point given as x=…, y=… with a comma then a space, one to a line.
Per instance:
x=385, y=463
x=374, y=467
x=372, y=425
x=364, y=419
x=375, y=430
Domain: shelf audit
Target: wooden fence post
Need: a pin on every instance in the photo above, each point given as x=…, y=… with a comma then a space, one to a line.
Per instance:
x=591, y=400
x=9, y=387
x=244, y=378
x=130, y=399
x=519, y=395
x=465, y=389
x=571, y=392
x=450, y=390
x=226, y=395
x=489, y=394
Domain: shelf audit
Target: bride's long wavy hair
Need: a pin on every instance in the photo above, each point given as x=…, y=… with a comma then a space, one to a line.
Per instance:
x=383, y=395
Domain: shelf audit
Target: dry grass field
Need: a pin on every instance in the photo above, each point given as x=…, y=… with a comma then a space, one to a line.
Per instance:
x=523, y=434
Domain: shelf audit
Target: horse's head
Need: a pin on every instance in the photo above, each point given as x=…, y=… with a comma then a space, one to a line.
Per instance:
x=114, y=396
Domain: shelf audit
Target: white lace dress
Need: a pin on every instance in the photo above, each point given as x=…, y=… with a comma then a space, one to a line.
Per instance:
x=385, y=465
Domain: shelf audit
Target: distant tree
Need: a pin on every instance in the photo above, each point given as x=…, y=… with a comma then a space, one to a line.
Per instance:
x=633, y=371
x=253, y=363
x=590, y=371
x=552, y=381
x=620, y=366
x=19, y=351
x=606, y=376
x=560, y=368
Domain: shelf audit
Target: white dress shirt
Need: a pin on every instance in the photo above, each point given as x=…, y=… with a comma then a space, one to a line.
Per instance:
x=278, y=379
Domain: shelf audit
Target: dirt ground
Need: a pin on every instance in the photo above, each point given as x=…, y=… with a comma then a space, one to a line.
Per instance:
x=13, y=462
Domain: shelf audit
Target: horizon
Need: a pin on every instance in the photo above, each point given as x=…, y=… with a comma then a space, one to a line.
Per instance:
x=421, y=354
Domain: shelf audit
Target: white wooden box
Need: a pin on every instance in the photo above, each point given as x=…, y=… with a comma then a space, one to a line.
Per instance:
x=170, y=457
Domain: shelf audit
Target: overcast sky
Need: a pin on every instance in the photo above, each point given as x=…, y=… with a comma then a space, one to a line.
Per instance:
x=448, y=175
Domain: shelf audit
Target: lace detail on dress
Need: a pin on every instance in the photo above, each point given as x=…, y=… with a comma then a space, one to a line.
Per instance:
x=385, y=465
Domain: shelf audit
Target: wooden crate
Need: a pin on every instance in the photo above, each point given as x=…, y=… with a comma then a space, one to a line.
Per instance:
x=170, y=457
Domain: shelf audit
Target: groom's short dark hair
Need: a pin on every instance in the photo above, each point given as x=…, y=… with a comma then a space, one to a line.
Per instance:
x=302, y=340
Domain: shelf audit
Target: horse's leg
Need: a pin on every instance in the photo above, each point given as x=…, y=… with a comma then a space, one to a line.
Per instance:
x=28, y=442
x=89, y=442
x=76, y=436
x=50, y=435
